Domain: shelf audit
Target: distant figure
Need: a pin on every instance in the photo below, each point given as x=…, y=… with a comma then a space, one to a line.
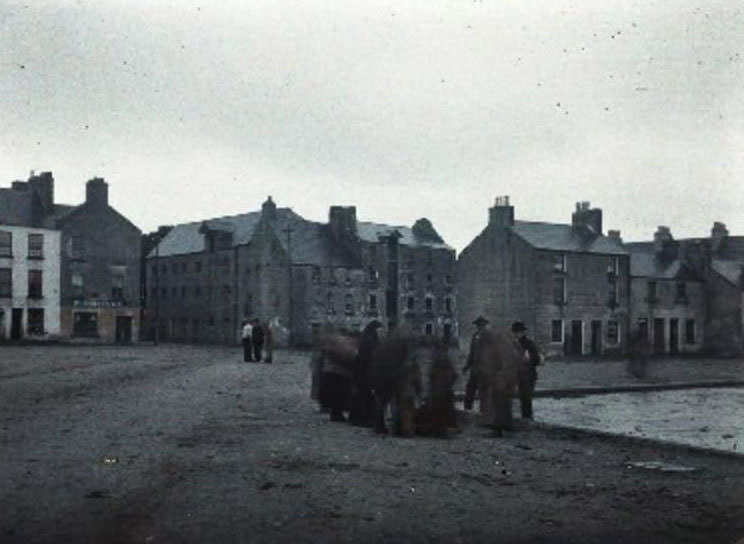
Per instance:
x=257, y=334
x=268, y=342
x=640, y=348
x=334, y=360
x=472, y=385
x=245, y=336
x=528, y=372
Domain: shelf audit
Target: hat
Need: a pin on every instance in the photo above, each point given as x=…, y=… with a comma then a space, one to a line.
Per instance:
x=518, y=326
x=480, y=320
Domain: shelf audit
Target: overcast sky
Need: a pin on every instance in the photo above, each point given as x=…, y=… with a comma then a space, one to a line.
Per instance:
x=192, y=110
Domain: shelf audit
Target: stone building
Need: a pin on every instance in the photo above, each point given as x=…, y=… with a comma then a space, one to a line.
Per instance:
x=689, y=293
x=98, y=257
x=29, y=283
x=569, y=283
x=667, y=296
x=205, y=278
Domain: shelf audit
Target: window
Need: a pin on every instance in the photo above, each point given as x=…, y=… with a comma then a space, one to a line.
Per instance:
x=174, y=292
x=197, y=266
x=154, y=270
x=347, y=276
x=184, y=291
x=410, y=279
x=210, y=321
x=330, y=308
x=372, y=274
x=6, y=282
x=117, y=287
x=35, y=246
x=85, y=324
x=34, y=284
x=613, y=332
x=372, y=303
x=613, y=268
x=448, y=304
x=36, y=321
x=681, y=291
x=429, y=329
x=643, y=327
x=429, y=278
x=6, y=244
x=410, y=303
x=448, y=279
x=429, y=303
x=689, y=331
x=559, y=262
x=174, y=268
x=349, y=304
x=613, y=293
x=651, y=292
x=77, y=281
x=315, y=275
x=559, y=290
x=556, y=331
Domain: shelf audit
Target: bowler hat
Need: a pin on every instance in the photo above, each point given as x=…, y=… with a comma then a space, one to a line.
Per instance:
x=480, y=320
x=518, y=326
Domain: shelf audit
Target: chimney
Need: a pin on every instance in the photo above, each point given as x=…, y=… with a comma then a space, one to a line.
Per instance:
x=665, y=247
x=423, y=229
x=717, y=234
x=614, y=235
x=43, y=185
x=502, y=213
x=586, y=217
x=96, y=192
x=268, y=209
x=343, y=222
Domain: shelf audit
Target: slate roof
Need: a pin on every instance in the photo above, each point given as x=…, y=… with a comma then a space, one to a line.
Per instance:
x=731, y=270
x=559, y=237
x=15, y=207
x=371, y=232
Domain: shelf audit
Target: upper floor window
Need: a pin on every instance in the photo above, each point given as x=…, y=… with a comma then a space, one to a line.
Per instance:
x=429, y=278
x=448, y=304
x=6, y=282
x=614, y=267
x=197, y=266
x=76, y=248
x=410, y=303
x=559, y=262
x=372, y=303
x=35, y=246
x=429, y=303
x=559, y=290
x=651, y=291
x=349, y=304
x=6, y=244
x=34, y=284
x=681, y=290
x=117, y=287
x=315, y=275
x=613, y=293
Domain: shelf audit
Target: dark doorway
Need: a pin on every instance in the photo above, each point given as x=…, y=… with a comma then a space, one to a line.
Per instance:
x=575, y=340
x=659, y=336
x=16, y=324
x=123, y=329
x=596, y=337
x=674, y=336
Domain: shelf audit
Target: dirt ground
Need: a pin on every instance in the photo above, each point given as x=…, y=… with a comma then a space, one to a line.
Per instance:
x=188, y=444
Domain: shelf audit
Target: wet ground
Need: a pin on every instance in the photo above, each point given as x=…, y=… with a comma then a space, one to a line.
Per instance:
x=708, y=418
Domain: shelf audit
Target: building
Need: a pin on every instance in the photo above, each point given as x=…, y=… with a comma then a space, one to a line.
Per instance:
x=29, y=283
x=689, y=293
x=668, y=297
x=97, y=254
x=205, y=278
x=569, y=283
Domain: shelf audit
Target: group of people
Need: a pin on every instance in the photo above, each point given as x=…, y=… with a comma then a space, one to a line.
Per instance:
x=256, y=336
x=379, y=382
x=521, y=368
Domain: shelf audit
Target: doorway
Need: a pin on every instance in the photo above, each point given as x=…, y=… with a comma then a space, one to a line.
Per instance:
x=596, y=337
x=659, y=336
x=16, y=324
x=123, y=329
x=576, y=338
x=674, y=336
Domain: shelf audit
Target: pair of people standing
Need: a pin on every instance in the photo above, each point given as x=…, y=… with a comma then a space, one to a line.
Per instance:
x=253, y=336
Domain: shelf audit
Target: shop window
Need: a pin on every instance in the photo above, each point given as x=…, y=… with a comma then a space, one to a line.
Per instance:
x=36, y=321
x=613, y=332
x=85, y=324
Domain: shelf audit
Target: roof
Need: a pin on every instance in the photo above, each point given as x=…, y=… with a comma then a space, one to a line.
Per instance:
x=371, y=232
x=730, y=270
x=559, y=237
x=15, y=207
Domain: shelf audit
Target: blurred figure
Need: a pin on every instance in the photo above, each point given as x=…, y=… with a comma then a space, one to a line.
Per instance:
x=257, y=334
x=335, y=365
x=269, y=342
x=639, y=350
x=528, y=371
x=362, y=399
x=472, y=386
x=438, y=412
x=246, y=339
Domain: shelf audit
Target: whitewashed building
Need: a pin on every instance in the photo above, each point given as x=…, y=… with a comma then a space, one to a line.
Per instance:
x=29, y=283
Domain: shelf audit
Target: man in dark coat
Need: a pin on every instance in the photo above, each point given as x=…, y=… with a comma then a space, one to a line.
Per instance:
x=257, y=334
x=362, y=398
x=472, y=385
x=528, y=371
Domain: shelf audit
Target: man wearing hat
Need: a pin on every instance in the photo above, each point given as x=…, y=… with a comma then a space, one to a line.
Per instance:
x=472, y=385
x=528, y=371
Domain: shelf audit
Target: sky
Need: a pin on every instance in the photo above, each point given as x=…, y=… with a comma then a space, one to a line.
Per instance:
x=405, y=109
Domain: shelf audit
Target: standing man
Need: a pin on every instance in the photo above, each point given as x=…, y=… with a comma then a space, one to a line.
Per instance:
x=362, y=397
x=245, y=336
x=472, y=385
x=257, y=334
x=528, y=371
